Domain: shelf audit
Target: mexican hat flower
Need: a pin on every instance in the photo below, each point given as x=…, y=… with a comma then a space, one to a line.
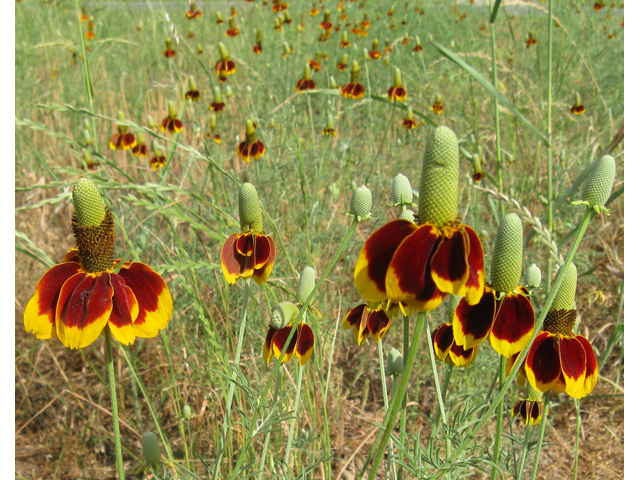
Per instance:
x=170, y=123
x=326, y=23
x=354, y=89
x=417, y=265
x=224, y=66
x=409, y=122
x=366, y=321
x=342, y=64
x=193, y=12
x=218, y=104
x=437, y=105
x=257, y=47
x=169, y=51
x=331, y=129
x=530, y=40
x=344, y=43
x=141, y=148
x=158, y=159
x=504, y=312
x=530, y=409
x=418, y=47
x=301, y=345
x=305, y=83
x=193, y=93
x=374, y=53
x=233, y=30
x=251, y=147
x=578, y=108
x=124, y=139
x=250, y=253
x=560, y=360
x=444, y=344
x=397, y=91
x=77, y=299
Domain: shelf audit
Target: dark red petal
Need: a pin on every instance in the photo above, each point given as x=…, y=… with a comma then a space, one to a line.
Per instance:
x=304, y=343
x=354, y=316
x=375, y=257
x=592, y=365
x=472, y=323
x=378, y=323
x=261, y=275
x=542, y=365
x=513, y=326
x=230, y=260
x=245, y=244
x=474, y=288
x=267, y=350
x=573, y=361
x=462, y=357
x=449, y=263
x=442, y=338
x=408, y=277
x=124, y=303
x=279, y=340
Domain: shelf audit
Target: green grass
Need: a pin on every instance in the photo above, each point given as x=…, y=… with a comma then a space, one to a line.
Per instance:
x=176, y=220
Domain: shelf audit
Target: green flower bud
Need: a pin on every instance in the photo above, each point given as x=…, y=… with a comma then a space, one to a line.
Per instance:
x=454, y=301
x=282, y=315
x=172, y=109
x=506, y=264
x=223, y=51
x=407, y=215
x=533, y=394
x=228, y=92
x=249, y=208
x=533, y=276
x=395, y=362
x=151, y=449
x=402, y=193
x=565, y=299
x=438, y=204
x=88, y=139
x=361, y=203
x=397, y=80
x=186, y=412
x=306, y=284
x=597, y=188
x=151, y=122
x=88, y=203
x=332, y=82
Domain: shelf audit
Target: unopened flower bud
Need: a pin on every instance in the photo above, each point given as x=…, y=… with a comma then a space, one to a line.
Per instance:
x=439, y=181
x=332, y=82
x=282, y=315
x=306, y=284
x=533, y=276
x=151, y=122
x=597, y=188
x=186, y=412
x=506, y=264
x=361, y=203
x=402, y=193
x=249, y=207
x=407, y=215
x=88, y=203
x=395, y=362
x=151, y=449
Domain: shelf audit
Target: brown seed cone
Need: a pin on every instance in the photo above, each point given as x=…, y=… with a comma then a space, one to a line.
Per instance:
x=96, y=245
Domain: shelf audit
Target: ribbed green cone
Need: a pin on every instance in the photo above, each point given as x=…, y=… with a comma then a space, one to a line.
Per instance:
x=454, y=301
x=249, y=208
x=506, y=264
x=407, y=215
x=306, y=284
x=566, y=297
x=438, y=204
x=402, y=193
x=533, y=276
x=88, y=203
x=283, y=314
x=151, y=449
x=395, y=362
x=361, y=203
x=597, y=188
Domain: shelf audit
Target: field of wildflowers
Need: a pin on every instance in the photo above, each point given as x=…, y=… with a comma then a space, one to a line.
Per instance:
x=319, y=239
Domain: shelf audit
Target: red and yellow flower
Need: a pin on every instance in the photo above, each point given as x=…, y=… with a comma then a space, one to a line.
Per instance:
x=141, y=148
x=437, y=105
x=531, y=40
x=224, y=66
x=354, y=89
x=301, y=345
x=257, y=47
x=578, y=108
x=218, y=104
x=374, y=53
x=158, y=160
x=326, y=23
x=251, y=147
x=448, y=351
x=233, y=30
x=193, y=12
x=366, y=321
x=251, y=253
x=170, y=123
x=123, y=140
x=169, y=51
x=77, y=299
x=305, y=83
x=409, y=122
x=397, y=91
x=417, y=265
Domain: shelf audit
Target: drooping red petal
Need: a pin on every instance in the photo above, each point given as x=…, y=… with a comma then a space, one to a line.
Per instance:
x=267, y=349
x=461, y=357
x=573, y=361
x=265, y=244
x=378, y=323
x=83, y=308
x=472, y=323
x=230, y=260
x=542, y=365
x=279, y=340
x=152, y=294
x=304, y=343
x=591, y=377
x=408, y=277
x=40, y=313
x=245, y=244
x=356, y=318
x=375, y=257
x=514, y=322
x=125, y=311
x=474, y=287
x=449, y=263
x=442, y=338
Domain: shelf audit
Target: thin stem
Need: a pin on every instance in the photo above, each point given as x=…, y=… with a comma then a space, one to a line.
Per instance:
x=114, y=403
x=543, y=424
x=502, y=368
x=496, y=114
x=267, y=437
x=576, y=451
x=549, y=134
x=87, y=79
x=385, y=396
x=296, y=406
x=434, y=368
x=525, y=449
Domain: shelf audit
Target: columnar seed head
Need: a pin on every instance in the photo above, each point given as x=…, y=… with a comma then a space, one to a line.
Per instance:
x=88, y=203
x=249, y=208
x=344, y=59
x=395, y=362
x=212, y=123
x=439, y=181
x=407, y=215
x=332, y=82
x=282, y=315
x=306, y=284
x=151, y=123
x=250, y=129
x=506, y=264
x=151, y=449
x=402, y=192
x=565, y=299
x=140, y=137
x=121, y=116
x=355, y=68
x=307, y=71
x=172, y=109
x=454, y=301
x=397, y=78
x=598, y=186
x=361, y=203
x=258, y=36
x=192, y=83
x=533, y=276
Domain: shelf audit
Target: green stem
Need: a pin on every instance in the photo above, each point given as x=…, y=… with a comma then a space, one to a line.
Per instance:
x=114, y=403
x=543, y=424
x=525, y=449
x=496, y=114
x=392, y=413
x=87, y=78
x=296, y=406
x=502, y=368
x=234, y=375
x=514, y=371
x=576, y=451
x=385, y=396
x=267, y=437
x=549, y=134
x=434, y=368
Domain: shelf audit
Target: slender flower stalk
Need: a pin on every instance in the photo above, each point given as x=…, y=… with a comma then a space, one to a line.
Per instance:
x=114, y=403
